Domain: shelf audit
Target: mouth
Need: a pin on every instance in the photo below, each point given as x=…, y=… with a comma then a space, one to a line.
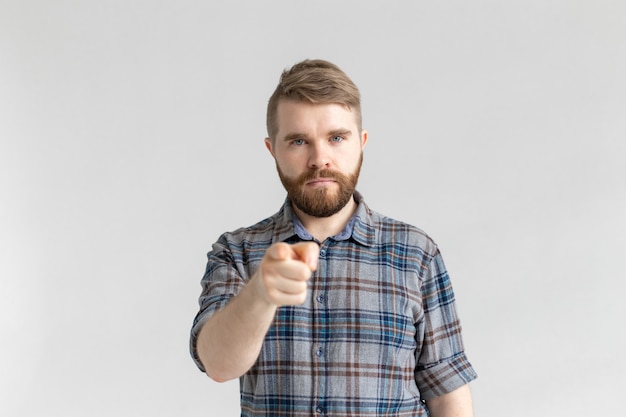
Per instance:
x=317, y=182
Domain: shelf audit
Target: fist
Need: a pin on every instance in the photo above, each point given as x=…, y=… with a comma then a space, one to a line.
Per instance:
x=284, y=272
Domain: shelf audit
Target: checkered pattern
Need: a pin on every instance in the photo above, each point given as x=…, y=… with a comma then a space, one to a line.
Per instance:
x=377, y=335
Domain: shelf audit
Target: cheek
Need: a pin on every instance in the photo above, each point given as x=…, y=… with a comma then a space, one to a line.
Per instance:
x=289, y=165
x=350, y=160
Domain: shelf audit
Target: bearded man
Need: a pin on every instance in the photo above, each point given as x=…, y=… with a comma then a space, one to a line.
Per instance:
x=327, y=307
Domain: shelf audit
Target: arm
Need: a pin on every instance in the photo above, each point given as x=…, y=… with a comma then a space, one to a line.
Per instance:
x=443, y=370
x=457, y=403
x=230, y=341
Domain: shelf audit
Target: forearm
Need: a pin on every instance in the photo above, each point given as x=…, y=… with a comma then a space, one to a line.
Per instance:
x=230, y=341
x=457, y=403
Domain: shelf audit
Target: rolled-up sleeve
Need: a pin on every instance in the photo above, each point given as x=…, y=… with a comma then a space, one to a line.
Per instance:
x=221, y=281
x=442, y=365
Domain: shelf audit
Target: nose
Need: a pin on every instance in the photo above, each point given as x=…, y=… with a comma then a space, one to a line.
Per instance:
x=319, y=157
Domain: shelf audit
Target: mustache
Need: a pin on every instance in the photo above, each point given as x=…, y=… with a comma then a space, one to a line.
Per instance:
x=320, y=173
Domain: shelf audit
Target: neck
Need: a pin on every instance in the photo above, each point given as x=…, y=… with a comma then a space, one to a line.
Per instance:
x=322, y=228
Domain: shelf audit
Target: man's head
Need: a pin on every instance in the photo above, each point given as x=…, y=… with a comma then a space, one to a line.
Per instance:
x=317, y=82
x=315, y=137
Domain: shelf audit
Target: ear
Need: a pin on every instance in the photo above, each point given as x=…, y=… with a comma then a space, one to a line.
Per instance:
x=268, y=145
x=363, y=138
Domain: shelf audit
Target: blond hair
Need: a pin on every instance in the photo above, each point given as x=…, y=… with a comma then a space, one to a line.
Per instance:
x=314, y=81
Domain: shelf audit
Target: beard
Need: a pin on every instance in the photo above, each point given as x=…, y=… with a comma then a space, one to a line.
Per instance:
x=322, y=201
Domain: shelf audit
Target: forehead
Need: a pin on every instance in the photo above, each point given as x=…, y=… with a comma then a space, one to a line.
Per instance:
x=305, y=117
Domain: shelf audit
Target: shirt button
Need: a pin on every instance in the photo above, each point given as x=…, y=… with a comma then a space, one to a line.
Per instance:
x=319, y=409
x=320, y=299
x=319, y=352
x=322, y=252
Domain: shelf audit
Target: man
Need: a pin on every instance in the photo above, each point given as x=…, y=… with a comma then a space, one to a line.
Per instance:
x=327, y=307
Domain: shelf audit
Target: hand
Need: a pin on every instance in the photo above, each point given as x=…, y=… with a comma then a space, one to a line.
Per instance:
x=284, y=271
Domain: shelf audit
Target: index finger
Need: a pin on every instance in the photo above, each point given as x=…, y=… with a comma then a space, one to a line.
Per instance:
x=307, y=252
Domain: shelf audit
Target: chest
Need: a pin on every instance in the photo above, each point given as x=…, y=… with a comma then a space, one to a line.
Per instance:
x=358, y=296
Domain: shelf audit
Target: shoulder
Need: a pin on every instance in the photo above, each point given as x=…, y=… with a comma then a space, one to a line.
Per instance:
x=258, y=232
x=388, y=230
x=244, y=245
x=278, y=227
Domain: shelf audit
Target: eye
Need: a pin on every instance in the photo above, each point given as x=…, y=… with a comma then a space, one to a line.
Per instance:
x=336, y=139
x=298, y=142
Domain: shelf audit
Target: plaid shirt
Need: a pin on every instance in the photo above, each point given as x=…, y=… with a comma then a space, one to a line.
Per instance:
x=377, y=335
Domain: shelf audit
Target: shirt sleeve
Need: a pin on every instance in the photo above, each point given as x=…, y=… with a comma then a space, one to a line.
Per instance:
x=442, y=365
x=222, y=280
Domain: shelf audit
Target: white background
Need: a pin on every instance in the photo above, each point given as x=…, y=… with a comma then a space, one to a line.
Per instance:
x=131, y=136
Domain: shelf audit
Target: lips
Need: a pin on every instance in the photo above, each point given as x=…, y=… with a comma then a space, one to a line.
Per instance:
x=321, y=181
x=320, y=178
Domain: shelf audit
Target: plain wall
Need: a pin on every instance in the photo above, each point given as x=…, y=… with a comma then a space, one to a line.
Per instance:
x=131, y=136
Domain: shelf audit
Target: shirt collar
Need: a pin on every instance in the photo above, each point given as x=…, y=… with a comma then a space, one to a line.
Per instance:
x=360, y=227
x=364, y=229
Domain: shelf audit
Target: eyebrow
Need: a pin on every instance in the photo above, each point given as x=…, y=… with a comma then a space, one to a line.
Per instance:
x=336, y=132
x=340, y=132
x=293, y=136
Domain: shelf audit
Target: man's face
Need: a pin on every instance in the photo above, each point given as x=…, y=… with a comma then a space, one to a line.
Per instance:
x=318, y=151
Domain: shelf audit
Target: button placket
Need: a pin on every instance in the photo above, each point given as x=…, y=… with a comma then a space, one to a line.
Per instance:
x=321, y=324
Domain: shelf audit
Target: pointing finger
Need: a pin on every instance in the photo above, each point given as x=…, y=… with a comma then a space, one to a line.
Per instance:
x=307, y=252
